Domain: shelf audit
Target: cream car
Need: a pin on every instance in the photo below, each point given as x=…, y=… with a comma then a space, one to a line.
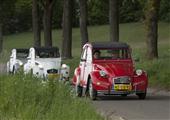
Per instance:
x=46, y=63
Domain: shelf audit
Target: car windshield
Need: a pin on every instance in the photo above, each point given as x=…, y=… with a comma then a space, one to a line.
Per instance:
x=47, y=54
x=22, y=54
x=119, y=53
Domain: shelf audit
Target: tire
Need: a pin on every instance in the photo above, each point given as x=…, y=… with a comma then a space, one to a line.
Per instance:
x=78, y=90
x=13, y=71
x=141, y=96
x=92, y=91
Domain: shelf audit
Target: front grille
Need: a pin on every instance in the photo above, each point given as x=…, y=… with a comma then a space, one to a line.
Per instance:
x=52, y=71
x=122, y=80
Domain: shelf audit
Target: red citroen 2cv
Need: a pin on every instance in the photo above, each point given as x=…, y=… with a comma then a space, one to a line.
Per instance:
x=106, y=68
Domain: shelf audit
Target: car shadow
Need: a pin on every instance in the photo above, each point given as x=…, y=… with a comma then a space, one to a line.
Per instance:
x=134, y=97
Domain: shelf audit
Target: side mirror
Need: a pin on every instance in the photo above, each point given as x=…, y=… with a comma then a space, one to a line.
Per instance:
x=83, y=60
x=28, y=58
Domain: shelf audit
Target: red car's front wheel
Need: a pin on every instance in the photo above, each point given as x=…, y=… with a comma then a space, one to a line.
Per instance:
x=92, y=91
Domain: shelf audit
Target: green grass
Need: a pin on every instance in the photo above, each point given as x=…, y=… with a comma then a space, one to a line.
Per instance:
x=26, y=98
x=132, y=33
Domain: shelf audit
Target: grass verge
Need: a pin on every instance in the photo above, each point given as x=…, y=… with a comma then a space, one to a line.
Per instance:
x=26, y=98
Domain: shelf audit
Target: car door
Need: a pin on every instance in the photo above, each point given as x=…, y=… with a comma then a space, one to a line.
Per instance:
x=83, y=64
x=88, y=65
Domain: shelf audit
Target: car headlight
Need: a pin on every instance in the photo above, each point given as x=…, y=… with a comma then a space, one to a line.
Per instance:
x=138, y=72
x=20, y=63
x=102, y=73
x=40, y=66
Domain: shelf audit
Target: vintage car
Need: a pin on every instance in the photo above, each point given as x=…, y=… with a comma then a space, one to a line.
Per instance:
x=107, y=68
x=17, y=60
x=46, y=63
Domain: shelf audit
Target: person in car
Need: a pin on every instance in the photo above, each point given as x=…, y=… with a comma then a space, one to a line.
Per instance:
x=96, y=54
x=115, y=55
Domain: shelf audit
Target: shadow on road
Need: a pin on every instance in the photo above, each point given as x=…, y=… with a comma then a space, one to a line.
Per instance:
x=134, y=97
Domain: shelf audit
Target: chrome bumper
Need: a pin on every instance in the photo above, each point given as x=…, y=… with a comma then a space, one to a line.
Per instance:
x=112, y=92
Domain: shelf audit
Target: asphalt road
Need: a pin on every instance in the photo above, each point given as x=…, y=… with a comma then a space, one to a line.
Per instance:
x=156, y=106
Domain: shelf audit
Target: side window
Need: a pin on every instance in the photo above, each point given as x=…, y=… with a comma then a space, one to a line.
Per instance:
x=84, y=53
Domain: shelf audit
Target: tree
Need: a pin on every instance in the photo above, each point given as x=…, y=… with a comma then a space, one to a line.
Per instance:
x=67, y=29
x=6, y=10
x=36, y=23
x=83, y=21
x=152, y=28
x=114, y=20
x=1, y=38
x=47, y=21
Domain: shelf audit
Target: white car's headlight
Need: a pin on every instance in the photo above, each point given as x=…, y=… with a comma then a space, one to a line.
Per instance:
x=20, y=63
x=40, y=66
x=139, y=72
x=102, y=73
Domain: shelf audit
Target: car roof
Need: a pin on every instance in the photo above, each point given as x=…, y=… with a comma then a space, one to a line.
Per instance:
x=22, y=50
x=46, y=48
x=97, y=45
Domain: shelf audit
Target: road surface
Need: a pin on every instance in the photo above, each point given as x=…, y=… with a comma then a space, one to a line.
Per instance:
x=156, y=106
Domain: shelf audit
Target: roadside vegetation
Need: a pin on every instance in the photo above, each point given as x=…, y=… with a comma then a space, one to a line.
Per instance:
x=27, y=98
x=132, y=33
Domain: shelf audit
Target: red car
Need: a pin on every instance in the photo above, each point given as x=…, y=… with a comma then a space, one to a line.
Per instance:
x=107, y=68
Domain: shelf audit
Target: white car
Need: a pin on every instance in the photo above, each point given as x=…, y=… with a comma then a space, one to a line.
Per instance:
x=17, y=60
x=46, y=63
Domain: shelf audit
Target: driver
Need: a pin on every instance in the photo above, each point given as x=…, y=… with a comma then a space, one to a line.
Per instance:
x=96, y=54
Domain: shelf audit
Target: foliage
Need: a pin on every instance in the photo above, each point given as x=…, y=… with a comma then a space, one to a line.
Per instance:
x=165, y=10
x=27, y=98
x=20, y=18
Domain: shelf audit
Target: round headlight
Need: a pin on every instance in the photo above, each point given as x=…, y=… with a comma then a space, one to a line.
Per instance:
x=139, y=72
x=40, y=66
x=20, y=63
x=102, y=73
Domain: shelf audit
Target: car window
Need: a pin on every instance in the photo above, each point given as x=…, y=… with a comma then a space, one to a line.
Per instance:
x=47, y=54
x=113, y=53
x=22, y=54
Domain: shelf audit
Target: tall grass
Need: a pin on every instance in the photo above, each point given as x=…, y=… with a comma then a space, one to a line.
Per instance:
x=26, y=98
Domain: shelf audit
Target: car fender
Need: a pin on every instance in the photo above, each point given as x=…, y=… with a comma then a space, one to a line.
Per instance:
x=98, y=82
x=140, y=83
x=76, y=77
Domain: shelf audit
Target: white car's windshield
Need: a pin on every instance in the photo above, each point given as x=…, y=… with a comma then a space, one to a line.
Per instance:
x=111, y=54
x=47, y=54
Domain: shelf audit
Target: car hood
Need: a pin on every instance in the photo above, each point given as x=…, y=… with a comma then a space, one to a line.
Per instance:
x=50, y=63
x=115, y=69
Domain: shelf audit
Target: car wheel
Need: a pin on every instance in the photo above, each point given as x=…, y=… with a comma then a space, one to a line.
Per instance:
x=78, y=90
x=141, y=95
x=13, y=70
x=92, y=91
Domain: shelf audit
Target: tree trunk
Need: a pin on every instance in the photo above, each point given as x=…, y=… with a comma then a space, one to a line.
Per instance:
x=83, y=22
x=47, y=22
x=1, y=38
x=36, y=24
x=114, y=20
x=152, y=28
x=67, y=30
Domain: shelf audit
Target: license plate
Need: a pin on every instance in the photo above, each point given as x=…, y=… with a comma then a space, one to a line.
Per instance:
x=122, y=87
x=53, y=76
